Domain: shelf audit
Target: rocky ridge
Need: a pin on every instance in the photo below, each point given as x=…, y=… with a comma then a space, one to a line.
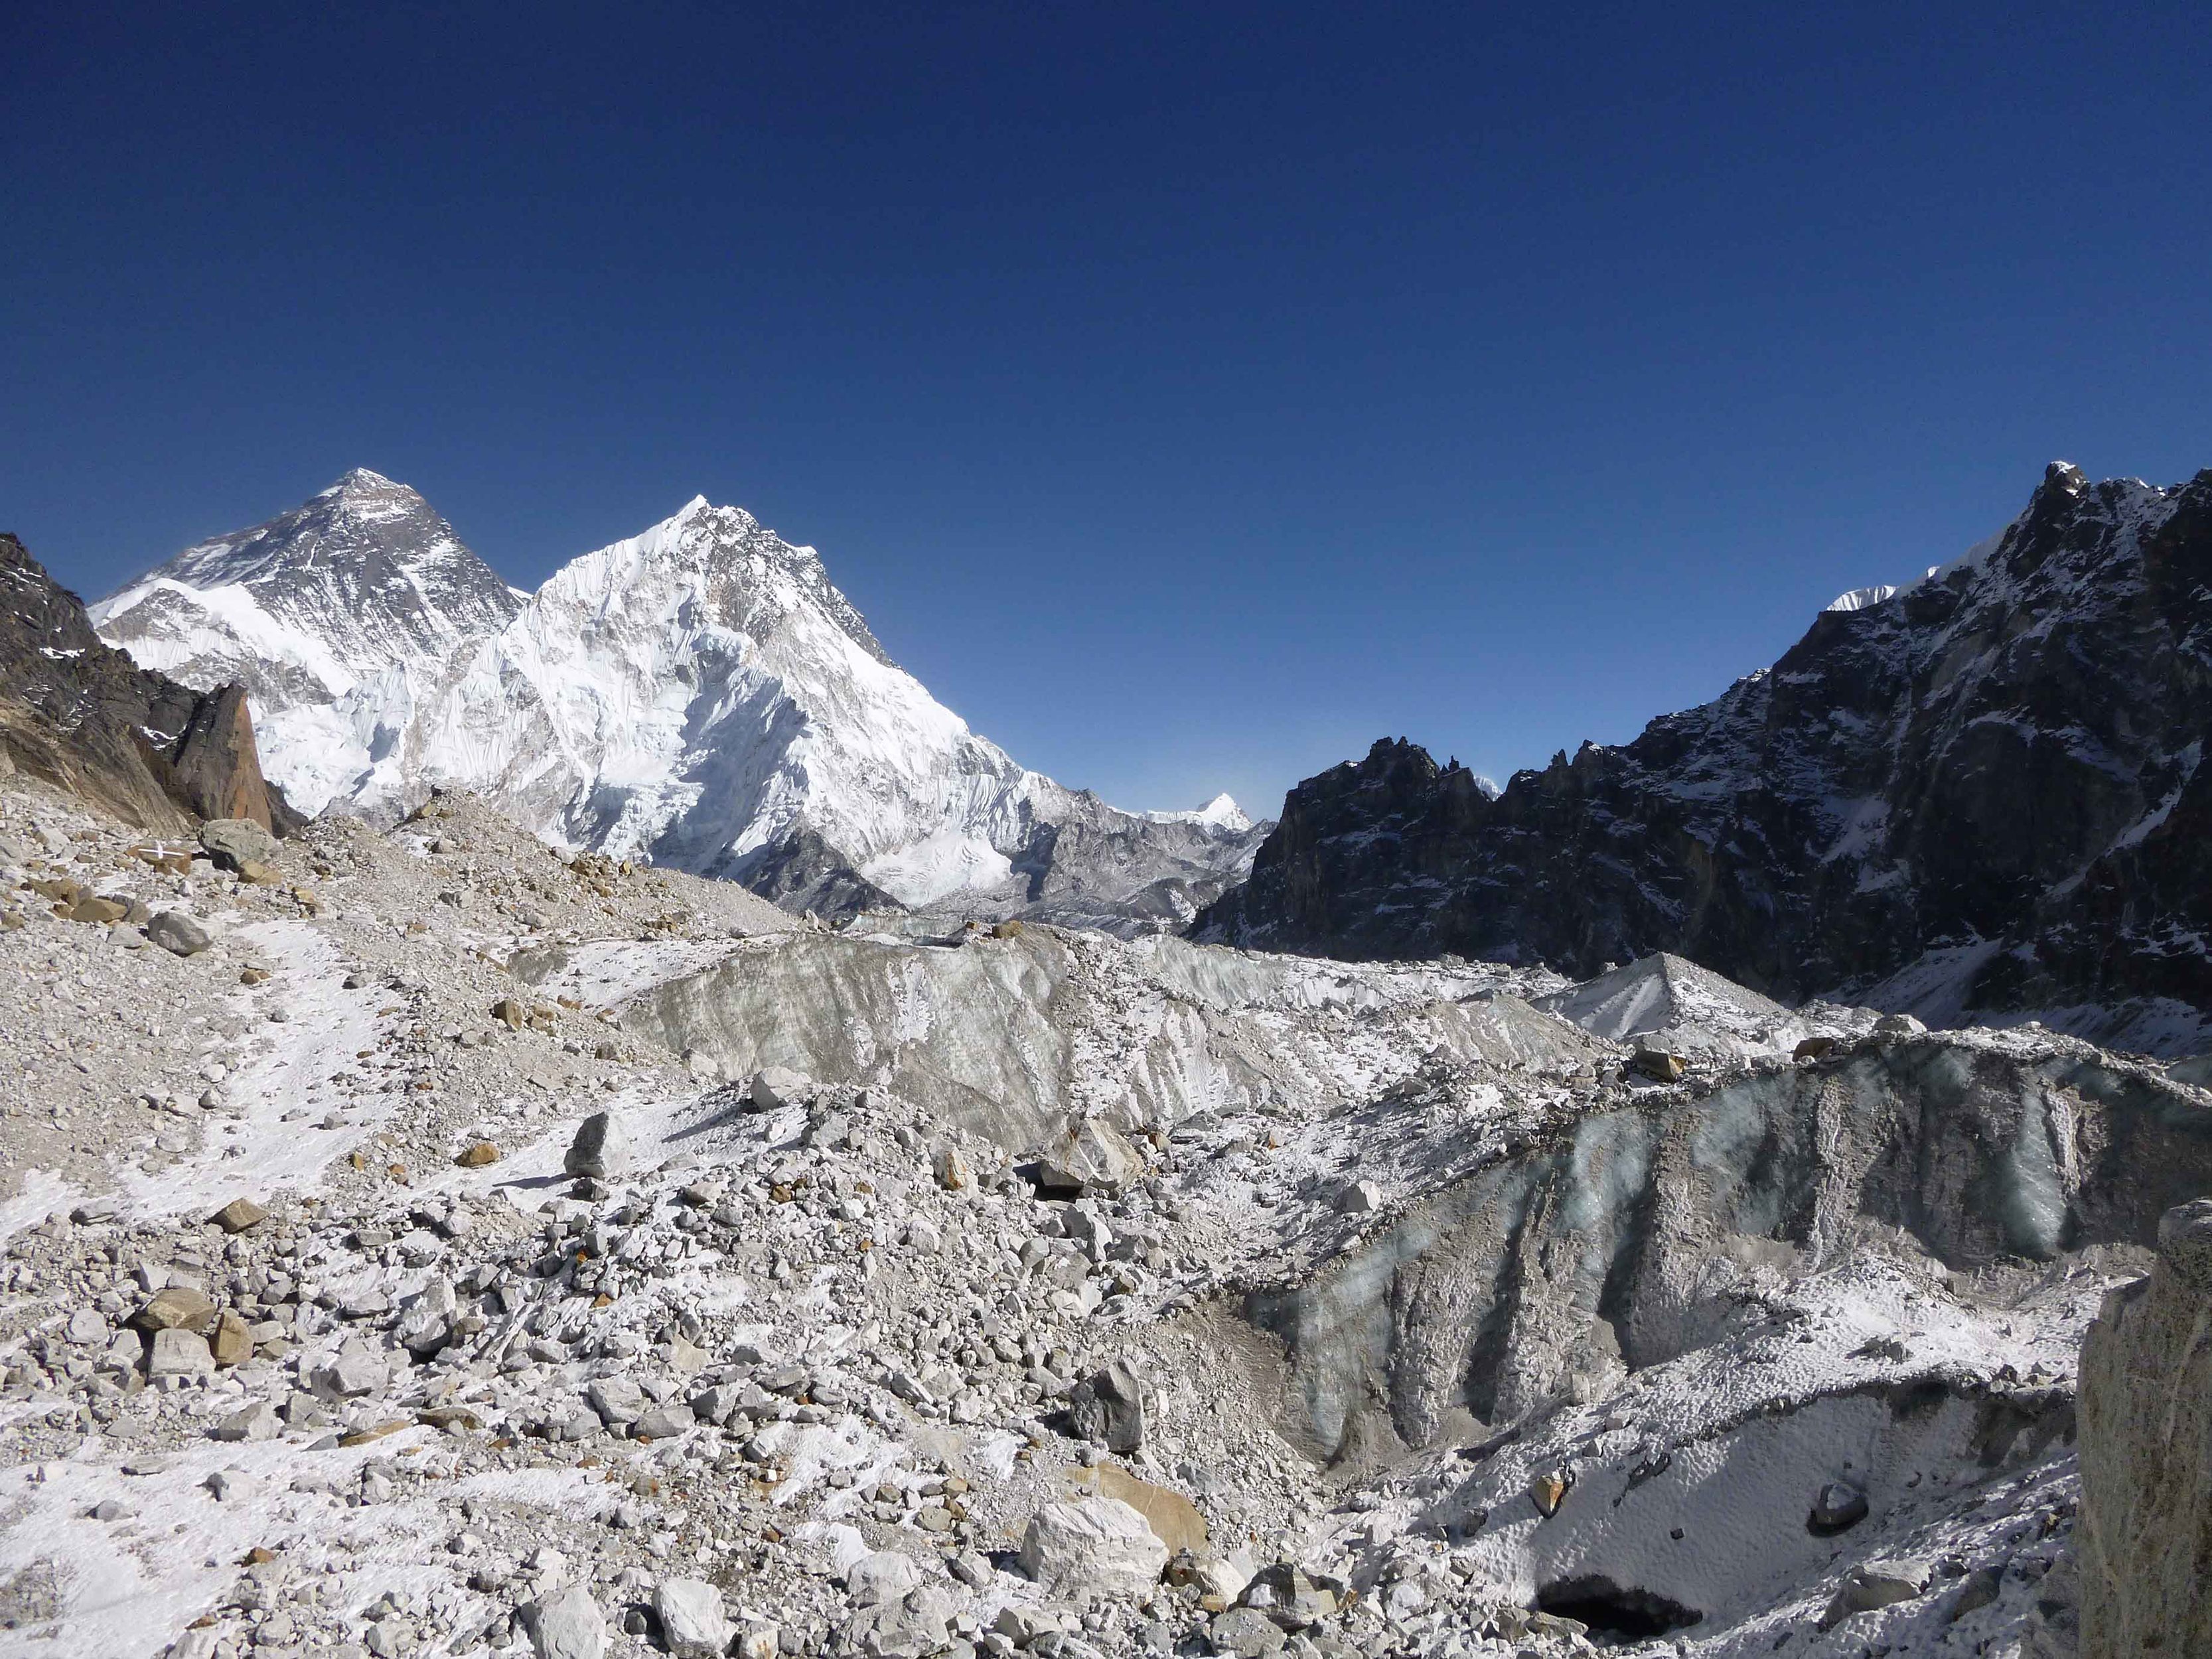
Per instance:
x=77, y=713
x=431, y=1244
x=1974, y=797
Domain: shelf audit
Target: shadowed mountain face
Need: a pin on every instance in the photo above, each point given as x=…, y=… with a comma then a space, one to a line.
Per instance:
x=79, y=715
x=1979, y=792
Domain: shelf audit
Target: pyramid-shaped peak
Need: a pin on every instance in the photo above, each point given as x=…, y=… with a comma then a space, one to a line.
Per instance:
x=363, y=482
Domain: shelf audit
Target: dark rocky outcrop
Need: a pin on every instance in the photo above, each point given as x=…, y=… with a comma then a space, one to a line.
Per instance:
x=79, y=715
x=1982, y=793
x=2146, y=1414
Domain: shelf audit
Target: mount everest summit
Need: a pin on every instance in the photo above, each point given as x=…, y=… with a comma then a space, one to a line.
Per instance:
x=701, y=695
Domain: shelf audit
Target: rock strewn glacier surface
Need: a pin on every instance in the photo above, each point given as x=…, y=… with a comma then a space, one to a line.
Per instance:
x=1392, y=1312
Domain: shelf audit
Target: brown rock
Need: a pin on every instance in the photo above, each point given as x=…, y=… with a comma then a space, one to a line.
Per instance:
x=1815, y=1047
x=238, y=1214
x=510, y=1012
x=1549, y=1491
x=179, y=1307
x=1658, y=1066
x=90, y=907
x=230, y=1340
x=477, y=1156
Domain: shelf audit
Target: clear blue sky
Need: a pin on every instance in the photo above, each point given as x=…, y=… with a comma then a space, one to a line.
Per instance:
x=1187, y=394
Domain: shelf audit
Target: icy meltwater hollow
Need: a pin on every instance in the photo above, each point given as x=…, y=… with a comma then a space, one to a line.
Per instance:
x=1627, y=1238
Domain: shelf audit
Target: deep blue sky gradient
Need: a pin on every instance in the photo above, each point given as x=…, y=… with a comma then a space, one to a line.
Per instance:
x=1187, y=395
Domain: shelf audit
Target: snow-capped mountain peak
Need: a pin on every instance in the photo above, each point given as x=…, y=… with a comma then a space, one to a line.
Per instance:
x=700, y=694
x=337, y=616
x=1222, y=812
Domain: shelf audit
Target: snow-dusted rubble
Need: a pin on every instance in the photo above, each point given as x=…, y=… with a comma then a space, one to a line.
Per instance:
x=1406, y=1315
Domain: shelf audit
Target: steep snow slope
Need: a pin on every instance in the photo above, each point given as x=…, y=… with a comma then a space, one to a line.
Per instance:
x=701, y=695
x=336, y=616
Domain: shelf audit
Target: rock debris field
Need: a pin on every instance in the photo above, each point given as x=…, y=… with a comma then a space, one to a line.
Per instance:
x=417, y=1243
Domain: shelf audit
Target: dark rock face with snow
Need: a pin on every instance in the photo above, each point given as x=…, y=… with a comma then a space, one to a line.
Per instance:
x=1979, y=794
x=78, y=714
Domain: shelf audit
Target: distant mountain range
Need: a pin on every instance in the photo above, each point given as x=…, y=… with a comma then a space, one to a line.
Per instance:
x=700, y=695
x=1977, y=795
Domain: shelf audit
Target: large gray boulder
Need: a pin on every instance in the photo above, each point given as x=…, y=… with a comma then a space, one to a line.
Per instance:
x=1091, y=1547
x=565, y=1624
x=1109, y=1408
x=179, y=932
x=896, y=1615
x=693, y=1624
x=600, y=1148
x=233, y=843
x=2146, y=1415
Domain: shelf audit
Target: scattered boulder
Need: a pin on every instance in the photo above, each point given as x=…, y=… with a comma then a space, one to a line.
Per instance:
x=510, y=1013
x=259, y=1421
x=1245, y=1633
x=1659, y=1066
x=1877, y=1584
x=1109, y=1407
x=352, y=1372
x=179, y=932
x=238, y=1214
x=233, y=843
x=909, y=1627
x=1837, y=1507
x=231, y=1341
x=1291, y=1598
x=1173, y=1519
x=1814, y=1048
x=178, y=1352
x=897, y=1615
x=178, y=1307
x=1218, y=1579
x=600, y=1148
x=1092, y=1546
x=774, y=1086
x=693, y=1624
x=1548, y=1491
x=618, y=1400
x=1093, y=1156
x=477, y=1155
x=565, y=1624
x=1899, y=1025
x=1359, y=1198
